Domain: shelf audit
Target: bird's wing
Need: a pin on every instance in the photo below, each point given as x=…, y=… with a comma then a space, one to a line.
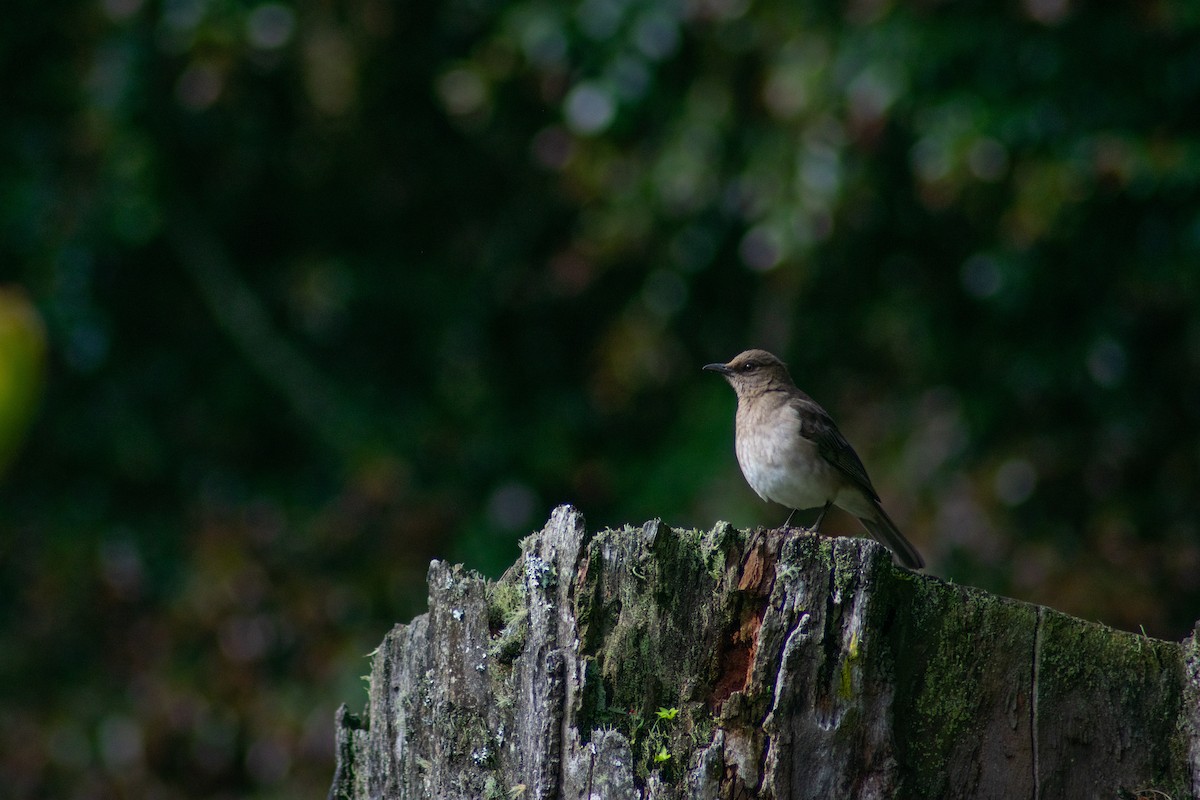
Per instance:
x=817, y=426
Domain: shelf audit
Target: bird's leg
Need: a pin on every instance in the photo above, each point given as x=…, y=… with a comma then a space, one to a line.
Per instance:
x=789, y=519
x=816, y=528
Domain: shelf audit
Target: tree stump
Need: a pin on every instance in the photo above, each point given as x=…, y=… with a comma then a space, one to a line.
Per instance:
x=651, y=662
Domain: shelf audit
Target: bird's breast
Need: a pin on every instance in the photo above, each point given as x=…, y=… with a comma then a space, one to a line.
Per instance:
x=782, y=466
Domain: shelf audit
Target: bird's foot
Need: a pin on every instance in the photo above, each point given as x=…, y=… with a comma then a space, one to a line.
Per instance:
x=816, y=526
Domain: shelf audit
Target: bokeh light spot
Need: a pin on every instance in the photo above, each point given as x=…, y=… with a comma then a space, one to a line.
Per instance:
x=761, y=248
x=1047, y=12
x=589, y=109
x=511, y=506
x=118, y=10
x=665, y=293
x=981, y=276
x=1015, y=481
x=1106, y=362
x=121, y=742
x=270, y=26
x=199, y=86
x=268, y=761
x=988, y=159
x=656, y=36
x=553, y=147
x=462, y=91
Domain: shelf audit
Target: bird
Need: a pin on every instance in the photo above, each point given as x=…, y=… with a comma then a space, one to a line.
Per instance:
x=791, y=452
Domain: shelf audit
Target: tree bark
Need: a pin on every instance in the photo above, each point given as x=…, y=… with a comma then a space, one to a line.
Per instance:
x=652, y=662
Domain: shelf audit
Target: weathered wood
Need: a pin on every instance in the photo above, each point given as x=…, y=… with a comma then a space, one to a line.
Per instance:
x=659, y=663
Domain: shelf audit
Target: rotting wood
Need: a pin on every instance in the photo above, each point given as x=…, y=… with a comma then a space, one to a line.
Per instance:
x=651, y=662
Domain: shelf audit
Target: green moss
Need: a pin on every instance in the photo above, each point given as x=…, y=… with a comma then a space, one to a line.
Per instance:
x=715, y=546
x=1078, y=654
x=594, y=712
x=468, y=748
x=508, y=618
x=505, y=600
x=700, y=730
x=964, y=657
x=642, y=633
x=1137, y=681
x=846, y=677
x=955, y=651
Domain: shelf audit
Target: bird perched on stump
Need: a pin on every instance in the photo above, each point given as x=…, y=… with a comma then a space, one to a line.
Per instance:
x=791, y=453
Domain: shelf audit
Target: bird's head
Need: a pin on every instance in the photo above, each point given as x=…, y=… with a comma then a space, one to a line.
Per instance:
x=753, y=371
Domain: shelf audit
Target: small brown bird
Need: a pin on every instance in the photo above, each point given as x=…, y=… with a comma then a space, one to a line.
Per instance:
x=792, y=454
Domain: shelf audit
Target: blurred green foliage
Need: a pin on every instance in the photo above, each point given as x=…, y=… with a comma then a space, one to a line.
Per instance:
x=333, y=288
x=22, y=351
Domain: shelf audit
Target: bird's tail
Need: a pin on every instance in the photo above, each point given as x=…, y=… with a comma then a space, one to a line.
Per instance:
x=886, y=533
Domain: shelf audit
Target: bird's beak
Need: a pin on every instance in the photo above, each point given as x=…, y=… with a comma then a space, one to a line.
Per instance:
x=721, y=368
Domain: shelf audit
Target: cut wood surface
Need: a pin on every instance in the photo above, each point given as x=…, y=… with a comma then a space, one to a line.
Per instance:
x=652, y=662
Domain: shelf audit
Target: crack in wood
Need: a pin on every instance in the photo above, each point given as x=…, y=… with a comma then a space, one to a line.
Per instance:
x=755, y=583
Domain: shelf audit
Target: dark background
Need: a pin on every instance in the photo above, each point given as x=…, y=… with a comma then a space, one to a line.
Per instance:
x=294, y=298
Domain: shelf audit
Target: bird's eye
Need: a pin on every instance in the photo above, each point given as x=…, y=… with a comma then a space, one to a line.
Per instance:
x=749, y=366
